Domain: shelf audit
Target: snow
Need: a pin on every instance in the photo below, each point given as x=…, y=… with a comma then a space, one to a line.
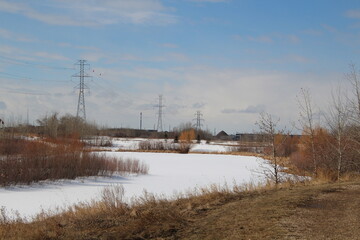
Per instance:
x=169, y=174
x=210, y=148
x=133, y=144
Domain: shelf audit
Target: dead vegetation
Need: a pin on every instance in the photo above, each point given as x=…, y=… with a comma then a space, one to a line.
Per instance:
x=288, y=211
x=28, y=161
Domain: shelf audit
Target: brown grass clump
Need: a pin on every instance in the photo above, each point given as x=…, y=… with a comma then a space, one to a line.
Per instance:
x=110, y=218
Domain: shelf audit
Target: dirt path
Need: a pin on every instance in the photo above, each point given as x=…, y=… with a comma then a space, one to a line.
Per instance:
x=312, y=212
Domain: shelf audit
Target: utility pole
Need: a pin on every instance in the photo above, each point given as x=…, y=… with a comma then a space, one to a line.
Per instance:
x=141, y=121
x=198, y=120
x=160, y=113
x=2, y=127
x=81, y=113
x=27, y=117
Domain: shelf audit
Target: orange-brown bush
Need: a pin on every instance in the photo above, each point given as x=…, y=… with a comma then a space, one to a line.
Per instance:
x=302, y=159
x=285, y=145
x=25, y=162
x=326, y=155
x=187, y=136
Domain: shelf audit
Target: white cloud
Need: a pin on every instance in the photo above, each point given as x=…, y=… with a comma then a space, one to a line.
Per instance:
x=211, y=1
x=353, y=13
x=2, y=105
x=173, y=56
x=198, y=105
x=251, y=109
x=293, y=38
x=271, y=38
x=170, y=45
x=119, y=96
x=260, y=39
x=92, y=13
x=298, y=59
x=52, y=56
x=4, y=33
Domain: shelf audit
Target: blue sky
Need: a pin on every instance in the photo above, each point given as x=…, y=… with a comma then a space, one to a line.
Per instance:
x=229, y=59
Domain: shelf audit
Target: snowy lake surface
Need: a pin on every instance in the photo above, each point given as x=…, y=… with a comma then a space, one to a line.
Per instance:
x=169, y=174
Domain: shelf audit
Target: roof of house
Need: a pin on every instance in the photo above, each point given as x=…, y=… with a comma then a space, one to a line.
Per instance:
x=222, y=134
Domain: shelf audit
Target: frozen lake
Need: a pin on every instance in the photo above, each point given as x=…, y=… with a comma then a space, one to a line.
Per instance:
x=169, y=174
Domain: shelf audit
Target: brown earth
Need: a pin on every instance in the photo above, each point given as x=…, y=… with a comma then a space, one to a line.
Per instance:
x=328, y=211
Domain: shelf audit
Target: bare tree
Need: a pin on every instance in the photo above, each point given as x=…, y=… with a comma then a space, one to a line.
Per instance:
x=66, y=126
x=354, y=79
x=50, y=124
x=338, y=122
x=268, y=128
x=307, y=122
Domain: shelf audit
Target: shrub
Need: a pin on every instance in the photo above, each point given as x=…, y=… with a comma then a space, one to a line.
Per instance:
x=187, y=136
x=184, y=147
x=39, y=160
x=152, y=145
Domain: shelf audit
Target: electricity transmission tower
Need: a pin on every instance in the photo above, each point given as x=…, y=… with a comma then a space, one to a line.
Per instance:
x=81, y=113
x=198, y=120
x=160, y=114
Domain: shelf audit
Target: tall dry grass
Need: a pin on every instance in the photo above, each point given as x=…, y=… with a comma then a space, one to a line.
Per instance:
x=146, y=217
x=25, y=162
x=182, y=147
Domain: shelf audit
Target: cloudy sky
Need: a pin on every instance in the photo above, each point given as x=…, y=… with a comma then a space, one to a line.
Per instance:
x=229, y=59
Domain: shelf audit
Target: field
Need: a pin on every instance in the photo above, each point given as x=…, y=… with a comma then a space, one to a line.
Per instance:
x=170, y=174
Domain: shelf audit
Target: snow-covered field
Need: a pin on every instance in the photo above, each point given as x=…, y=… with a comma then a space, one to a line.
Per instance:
x=169, y=174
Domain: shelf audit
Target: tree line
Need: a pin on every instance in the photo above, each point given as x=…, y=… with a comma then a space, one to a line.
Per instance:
x=329, y=145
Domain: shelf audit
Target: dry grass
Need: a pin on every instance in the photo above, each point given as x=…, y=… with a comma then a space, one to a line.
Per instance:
x=147, y=217
x=25, y=162
x=159, y=146
x=287, y=211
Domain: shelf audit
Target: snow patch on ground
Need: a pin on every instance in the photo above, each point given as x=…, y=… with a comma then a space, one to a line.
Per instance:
x=204, y=147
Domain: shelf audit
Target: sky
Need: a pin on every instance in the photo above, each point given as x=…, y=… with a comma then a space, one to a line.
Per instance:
x=228, y=59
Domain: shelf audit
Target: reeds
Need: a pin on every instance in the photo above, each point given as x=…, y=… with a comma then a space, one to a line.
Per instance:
x=25, y=162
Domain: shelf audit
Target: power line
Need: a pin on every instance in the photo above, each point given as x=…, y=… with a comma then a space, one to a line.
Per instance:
x=20, y=77
x=14, y=61
x=24, y=92
x=15, y=76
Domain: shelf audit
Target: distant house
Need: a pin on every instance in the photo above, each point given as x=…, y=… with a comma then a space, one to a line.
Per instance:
x=249, y=137
x=223, y=136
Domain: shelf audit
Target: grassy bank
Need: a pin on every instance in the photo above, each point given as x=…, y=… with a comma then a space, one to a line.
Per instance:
x=302, y=211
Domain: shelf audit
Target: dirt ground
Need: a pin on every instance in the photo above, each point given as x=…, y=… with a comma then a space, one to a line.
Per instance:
x=329, y=211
